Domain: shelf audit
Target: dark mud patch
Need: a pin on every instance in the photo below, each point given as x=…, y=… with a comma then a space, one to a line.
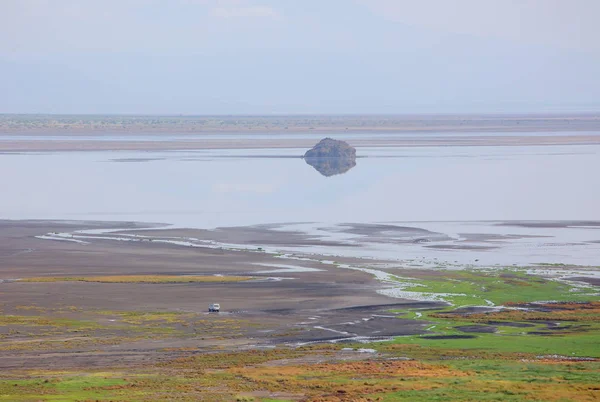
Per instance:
x=381, y=327
x=437, y=337
x=561, y=328
x=386, y=233
x=508, y=275
x=358, y=323
x=280, y=311
x=482, y=329
x=375, y=229
x=588, y=280
x=394, y=306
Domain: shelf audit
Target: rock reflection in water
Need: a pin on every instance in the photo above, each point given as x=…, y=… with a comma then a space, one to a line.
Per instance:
x=330, y=157
x=331, y=166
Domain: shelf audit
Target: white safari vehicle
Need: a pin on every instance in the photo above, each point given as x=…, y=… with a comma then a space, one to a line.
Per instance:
x=214, y=307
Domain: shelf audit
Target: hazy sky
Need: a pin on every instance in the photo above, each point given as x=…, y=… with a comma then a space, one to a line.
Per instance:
x=298, y=56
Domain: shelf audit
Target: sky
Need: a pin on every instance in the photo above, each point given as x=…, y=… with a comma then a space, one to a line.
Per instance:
x=299, y=57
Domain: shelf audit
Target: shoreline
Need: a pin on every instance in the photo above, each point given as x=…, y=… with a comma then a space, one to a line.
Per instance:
x=433, y=245
x=302, y=123
x=75, y=145
x=295, y=300
x=343, y=242
x=211, y=132
x=296, y=253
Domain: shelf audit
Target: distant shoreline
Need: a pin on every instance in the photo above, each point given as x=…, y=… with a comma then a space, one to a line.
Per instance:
x=248, y=142
x=291, y=131
x=443, y=123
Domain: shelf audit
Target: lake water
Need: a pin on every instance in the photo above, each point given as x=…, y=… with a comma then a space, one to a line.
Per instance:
x=216, y=188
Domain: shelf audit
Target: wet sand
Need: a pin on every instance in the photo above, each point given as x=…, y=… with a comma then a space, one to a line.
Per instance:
x=320, y=304
x=22, y=255
x=295, y=300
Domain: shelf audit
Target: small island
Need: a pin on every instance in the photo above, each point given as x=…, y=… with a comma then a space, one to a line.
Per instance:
x=330, y=157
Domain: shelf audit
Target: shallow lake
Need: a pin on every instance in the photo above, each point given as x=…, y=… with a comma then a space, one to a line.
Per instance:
x=218, y=188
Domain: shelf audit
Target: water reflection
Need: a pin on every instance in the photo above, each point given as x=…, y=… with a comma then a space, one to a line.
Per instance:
x=216, y=188
x=328, y=166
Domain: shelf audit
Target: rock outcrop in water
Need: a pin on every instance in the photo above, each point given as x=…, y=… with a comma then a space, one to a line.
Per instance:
x=330, y=157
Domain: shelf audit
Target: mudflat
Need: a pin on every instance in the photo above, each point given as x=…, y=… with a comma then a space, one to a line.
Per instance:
x=273, y=306
x=121, y=314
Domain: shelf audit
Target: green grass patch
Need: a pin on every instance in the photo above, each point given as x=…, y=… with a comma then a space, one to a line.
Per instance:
x=578, y=334
x=479, y=288
x=77, y=388
x=572, y=346
x=36, y=321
